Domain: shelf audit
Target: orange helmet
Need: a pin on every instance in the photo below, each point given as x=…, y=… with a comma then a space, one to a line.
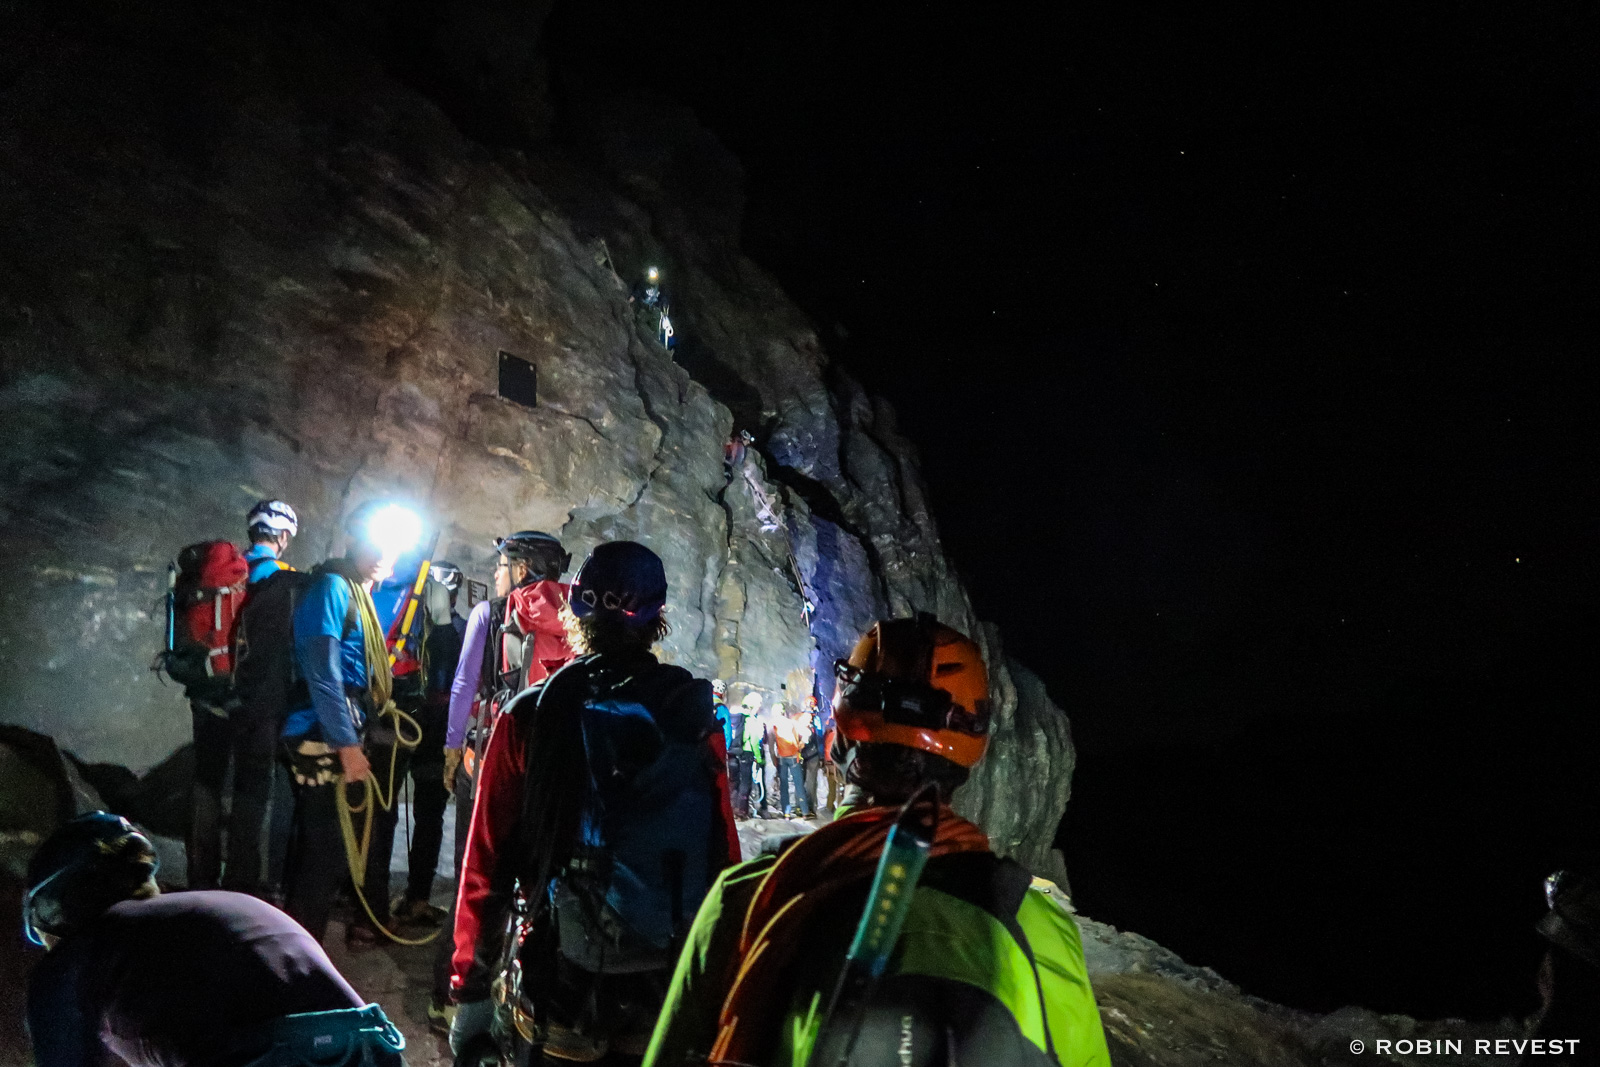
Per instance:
x=918, y=683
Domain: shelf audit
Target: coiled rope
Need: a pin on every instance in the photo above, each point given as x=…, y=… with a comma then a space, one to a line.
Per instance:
x=356, y=850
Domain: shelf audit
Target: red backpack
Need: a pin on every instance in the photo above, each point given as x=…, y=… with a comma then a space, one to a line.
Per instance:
x=533, y=640
x=208, y=590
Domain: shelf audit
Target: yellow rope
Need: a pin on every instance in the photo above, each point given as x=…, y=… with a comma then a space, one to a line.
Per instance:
x=356, y=851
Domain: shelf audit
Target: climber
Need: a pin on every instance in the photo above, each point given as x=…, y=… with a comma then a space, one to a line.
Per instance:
x=733, y=451
x=1569, y=977
x=530, y=564
x=246, y=737
x=719, y=707
x=790, y=735
x=813, y=759
x=429, y=795
x=134, y=977
x=746, y=753
x=603, y=805
x=340, y=651
x=984, y=970
x=270, y=525
x=648, y=292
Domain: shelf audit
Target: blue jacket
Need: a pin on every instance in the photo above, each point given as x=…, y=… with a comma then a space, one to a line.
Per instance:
x=264, y=562
x=332, y=656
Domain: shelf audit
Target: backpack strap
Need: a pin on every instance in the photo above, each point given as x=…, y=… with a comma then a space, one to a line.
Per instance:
x=351, y=617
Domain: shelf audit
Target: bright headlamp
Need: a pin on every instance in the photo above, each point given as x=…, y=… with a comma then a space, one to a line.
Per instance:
x=394, y=530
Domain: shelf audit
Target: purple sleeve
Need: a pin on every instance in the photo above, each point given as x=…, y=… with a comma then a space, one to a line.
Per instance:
x=469, y=669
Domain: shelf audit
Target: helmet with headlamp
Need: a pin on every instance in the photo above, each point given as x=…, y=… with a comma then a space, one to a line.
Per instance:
x=917, y=683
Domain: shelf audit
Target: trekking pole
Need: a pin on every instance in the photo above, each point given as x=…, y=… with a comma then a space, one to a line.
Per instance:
x=905, y=854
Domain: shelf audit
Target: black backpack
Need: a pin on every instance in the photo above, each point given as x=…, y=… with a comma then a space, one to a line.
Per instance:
x=493, y=686
x=266, y=678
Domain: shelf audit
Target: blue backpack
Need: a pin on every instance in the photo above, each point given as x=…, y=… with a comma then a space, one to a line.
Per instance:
x=641, y=865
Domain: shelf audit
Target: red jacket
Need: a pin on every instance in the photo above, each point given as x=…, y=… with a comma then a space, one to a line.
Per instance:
x=483, y=890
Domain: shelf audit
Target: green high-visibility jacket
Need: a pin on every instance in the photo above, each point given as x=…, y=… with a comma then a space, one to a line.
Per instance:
x=957, y=962
x=755, y=729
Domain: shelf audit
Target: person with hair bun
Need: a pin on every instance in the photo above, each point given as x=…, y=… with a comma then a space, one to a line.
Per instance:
x=603, y=806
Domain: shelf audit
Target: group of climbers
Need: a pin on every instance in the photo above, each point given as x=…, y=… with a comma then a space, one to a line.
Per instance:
x=601, y=907
x=793, y=743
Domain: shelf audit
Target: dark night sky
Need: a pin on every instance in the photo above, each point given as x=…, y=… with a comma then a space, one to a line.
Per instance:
x=1246, y=352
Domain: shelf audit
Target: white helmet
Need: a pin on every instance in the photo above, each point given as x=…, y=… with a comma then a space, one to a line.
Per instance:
x=273, y=515
x=752, y=700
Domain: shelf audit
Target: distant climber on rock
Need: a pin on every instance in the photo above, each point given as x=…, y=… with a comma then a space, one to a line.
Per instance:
x=204, y=978
x=841, y=947
x=1569, y=977
x=734, y=450
x=528, y=568
x=647, y=291
x=603, y=805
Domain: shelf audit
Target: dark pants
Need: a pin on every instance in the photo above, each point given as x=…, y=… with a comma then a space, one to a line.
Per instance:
x=428, y=802
x=815, y=784
x=316, y=864
x=254, y=748
x=447, y=943
x=212, y=742
x=280, y=827
x=741, y=778
x=383, y=754
x=249, y=743
x=791, y=784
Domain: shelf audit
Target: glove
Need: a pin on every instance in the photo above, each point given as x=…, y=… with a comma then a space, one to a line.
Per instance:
x=452, y=763
x=472, y=1019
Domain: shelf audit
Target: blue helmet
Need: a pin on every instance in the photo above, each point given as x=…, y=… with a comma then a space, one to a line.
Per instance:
x=623, y=579
x=71, y=851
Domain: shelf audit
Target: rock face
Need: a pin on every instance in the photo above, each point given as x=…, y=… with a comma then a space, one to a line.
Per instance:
x=240, y=261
